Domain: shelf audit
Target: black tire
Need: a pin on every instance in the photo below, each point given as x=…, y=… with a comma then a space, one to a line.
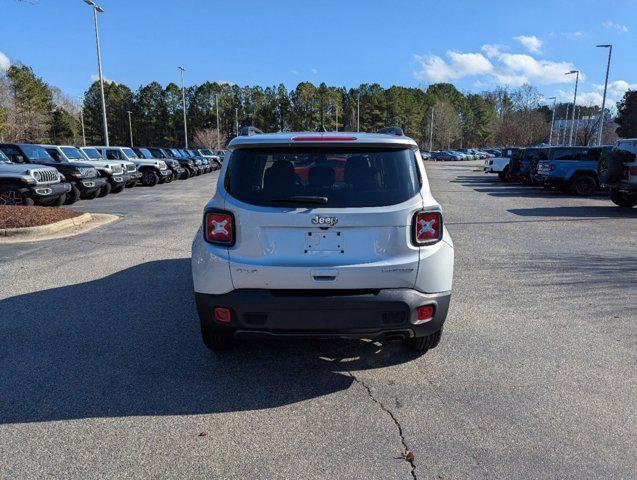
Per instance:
x=59, y=201
x=583, y=185
x=624, y=200
x=505, y=175
x=215, y=340
x=185, y=175
x=610, y=166
x=132, y=184
x=105, y=190
x=91, y=196
x=149, y=178
x=118, y=189
x=73, y=195
x=13, y=196
x=424, y=344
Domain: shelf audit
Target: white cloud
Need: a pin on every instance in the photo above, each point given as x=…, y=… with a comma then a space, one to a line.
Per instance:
x=226, y=82
x=572, y=35
x=295, y=72
x=612, y=25
x=314, y=71
x=530, y=42
x=95, y=78
x=5, y=63
x=503, y=68
x=617, y=88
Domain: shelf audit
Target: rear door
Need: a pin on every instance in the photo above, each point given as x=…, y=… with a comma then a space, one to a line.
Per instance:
x=331, y=218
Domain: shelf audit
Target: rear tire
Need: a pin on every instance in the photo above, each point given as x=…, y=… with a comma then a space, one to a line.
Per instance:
x=584, y=185
x=215, y=340
x=624, y=200
x=423, y=344
x=505, y=175
x=105, y=190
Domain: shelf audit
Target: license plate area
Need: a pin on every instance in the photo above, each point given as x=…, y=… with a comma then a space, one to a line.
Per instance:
x=320, y=243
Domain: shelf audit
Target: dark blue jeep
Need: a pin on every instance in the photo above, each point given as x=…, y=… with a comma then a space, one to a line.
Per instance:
x=571, y=169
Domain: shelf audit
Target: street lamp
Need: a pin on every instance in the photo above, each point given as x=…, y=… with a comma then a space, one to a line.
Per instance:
x=576, y=72
x=218, y=134
x=130, y=127
x=552, y=119
x=82, y=120
x=601, y=117
x=358, y=112
x=97, y=9
x=183, y=104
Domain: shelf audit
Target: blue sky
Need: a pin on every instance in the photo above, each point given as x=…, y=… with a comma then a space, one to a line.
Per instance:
x=474, y=44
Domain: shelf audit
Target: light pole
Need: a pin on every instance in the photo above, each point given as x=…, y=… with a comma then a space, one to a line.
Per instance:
x=97, y=9
x=82, y=120
x=358, y=112
x=336, y=107
x=552, y=119
x=218, y=134
x=183, y=104
x=565, y=129
x=576, y=72
x=431, y=131
x=601, y=117
x=236, y=121
x=130, y=127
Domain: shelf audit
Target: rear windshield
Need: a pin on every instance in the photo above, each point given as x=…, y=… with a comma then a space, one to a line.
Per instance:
x=322, y=177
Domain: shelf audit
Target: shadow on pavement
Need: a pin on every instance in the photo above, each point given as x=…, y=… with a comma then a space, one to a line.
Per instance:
x=610, y=211
x=129, y=344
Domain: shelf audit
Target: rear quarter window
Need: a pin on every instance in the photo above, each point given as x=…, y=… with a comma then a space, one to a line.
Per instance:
x=345, y=177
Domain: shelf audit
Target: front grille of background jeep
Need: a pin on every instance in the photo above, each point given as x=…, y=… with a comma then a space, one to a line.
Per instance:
x=131, y=168
x=46, y=176
x=88, y=172
x=117, y=170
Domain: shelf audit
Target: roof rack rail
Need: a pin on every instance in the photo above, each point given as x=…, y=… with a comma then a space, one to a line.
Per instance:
x=249, y=131
x=392, y=131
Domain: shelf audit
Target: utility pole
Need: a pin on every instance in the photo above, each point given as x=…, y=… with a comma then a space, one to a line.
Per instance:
x=97, y=9
x=183, y=104
x=358, y=112
x=236, y=121
x=336, y=106
x=82, y=122
x=218, y=131
x=431, y=131
x=552, y=119
x=601, y=116
x=130, y=128
x=565, y=129
x=576, y=72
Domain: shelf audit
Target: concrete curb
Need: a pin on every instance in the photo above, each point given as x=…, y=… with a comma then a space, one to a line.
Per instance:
x=46, y=229
x=65, y=228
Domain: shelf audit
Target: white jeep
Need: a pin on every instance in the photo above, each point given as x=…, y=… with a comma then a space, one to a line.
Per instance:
x=323, y=235
x=501, y=164
x=153, y=171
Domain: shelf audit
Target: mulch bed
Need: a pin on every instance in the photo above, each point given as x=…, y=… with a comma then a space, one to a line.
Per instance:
x=18, y=217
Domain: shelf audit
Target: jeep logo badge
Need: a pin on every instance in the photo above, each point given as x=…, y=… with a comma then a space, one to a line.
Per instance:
x=329, y=221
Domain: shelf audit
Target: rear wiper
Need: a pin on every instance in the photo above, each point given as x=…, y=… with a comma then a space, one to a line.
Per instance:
x=303, y=199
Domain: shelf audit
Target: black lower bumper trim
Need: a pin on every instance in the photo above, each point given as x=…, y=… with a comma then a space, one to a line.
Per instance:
x=324, y=313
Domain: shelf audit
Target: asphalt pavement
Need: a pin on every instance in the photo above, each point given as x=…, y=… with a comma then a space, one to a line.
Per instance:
x=103, y=373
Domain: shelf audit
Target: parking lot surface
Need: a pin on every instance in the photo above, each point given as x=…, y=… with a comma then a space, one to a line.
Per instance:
x=103, y=373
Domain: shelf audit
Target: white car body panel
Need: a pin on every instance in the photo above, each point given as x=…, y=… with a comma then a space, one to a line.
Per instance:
x=496, y=164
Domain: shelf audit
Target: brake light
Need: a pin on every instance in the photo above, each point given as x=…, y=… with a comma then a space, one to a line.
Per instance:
x=425, y=313
x=552, y=167
x=323, y=138
x=219, y=227
x=427, y=228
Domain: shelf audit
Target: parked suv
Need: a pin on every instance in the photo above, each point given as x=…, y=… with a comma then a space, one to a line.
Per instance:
x=571, y=169
x=131, y=175
x=500, y=164
x=152, y=170
x=187, y=164
x=29, y=184
x=176, y=170
x=85, y=181
x=360, y=252
x=111, y=171
x=617, y=171
x=198, y=168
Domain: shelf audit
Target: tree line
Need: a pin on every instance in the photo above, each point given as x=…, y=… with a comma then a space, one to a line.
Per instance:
x=440, y=115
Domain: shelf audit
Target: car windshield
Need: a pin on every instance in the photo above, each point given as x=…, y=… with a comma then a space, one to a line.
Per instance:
x=205, y=151
x=4, y=158
x=146, y=153
x=92, y=153
x=34, y=152
x=175, y=152
x=338, y=177
x=72, y=153
x=129, y=153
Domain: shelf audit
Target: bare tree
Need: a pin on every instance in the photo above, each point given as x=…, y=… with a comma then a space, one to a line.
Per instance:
x=447, y=130
x=207, y=138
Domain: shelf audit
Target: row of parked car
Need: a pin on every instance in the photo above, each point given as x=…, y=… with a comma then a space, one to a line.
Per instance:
x=576, y=170
x=459, y=155
x=54, y=175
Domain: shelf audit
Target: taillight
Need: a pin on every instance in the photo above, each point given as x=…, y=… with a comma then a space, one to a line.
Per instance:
x=425, y=313
x=222, y=314
x=427, y=228
x=552, y=168
x=219, y=227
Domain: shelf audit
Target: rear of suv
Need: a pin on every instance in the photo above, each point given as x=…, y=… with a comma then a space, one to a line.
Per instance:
x=617, y=171
x=323, y=235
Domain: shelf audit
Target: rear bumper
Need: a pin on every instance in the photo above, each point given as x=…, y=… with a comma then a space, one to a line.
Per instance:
x=324, y=313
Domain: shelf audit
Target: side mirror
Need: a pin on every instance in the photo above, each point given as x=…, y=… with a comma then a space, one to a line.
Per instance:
x=18, y=159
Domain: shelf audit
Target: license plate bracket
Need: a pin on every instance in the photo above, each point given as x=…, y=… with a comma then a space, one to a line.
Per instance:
x=324, y=242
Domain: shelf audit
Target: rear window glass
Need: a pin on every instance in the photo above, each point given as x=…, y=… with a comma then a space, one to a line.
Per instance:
x=322, y=177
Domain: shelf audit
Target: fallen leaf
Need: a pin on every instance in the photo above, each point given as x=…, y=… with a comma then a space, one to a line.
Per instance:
x=408, y=455
x=203, y=434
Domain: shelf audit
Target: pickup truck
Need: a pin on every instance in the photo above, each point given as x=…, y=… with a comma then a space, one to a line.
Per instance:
x=500, y=164
x=618, y=172
x=523, y=164
x=30, y=184
x=571, y=169
x=83, y=177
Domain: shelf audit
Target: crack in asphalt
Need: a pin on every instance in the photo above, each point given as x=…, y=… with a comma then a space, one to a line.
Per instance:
x=411, y=461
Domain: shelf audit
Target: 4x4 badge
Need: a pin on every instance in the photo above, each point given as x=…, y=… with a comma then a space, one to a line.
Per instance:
x=318, y=220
